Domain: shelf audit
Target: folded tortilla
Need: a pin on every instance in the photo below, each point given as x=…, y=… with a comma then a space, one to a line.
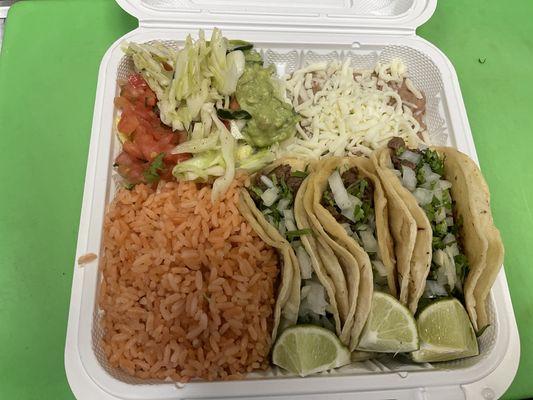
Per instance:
x=288, y=298
x=410, y=229
x=355, y=261
x=481, y=242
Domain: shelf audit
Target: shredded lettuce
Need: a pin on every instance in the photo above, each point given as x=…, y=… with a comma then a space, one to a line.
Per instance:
x=227, y=143
x=254, y=161
x=226, y=68
x=200, y=72
x=155, y=63
x=201, y=166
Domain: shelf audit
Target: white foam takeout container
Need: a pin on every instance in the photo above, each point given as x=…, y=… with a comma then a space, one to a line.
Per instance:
x=290, y=34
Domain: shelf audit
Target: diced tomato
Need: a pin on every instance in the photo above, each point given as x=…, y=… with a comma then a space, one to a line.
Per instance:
x=130, y=168
x=148, y=137
x=137, y=81
x=128, y=123
x=132, y=149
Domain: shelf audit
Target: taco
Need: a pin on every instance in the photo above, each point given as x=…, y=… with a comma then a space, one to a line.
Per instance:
x=457, y=250
x=350, y=211
x=309, y=293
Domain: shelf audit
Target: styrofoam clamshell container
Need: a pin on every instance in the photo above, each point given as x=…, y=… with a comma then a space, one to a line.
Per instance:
x=289, y=35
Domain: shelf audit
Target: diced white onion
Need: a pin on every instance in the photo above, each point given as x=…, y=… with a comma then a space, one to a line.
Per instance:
x=444, y=184
x=449, y=221
x=429, y=175
x=289, y=223
x=410, y=156
x=340, y=194
x=423, y=196
x=270, y=196
x=446, y=271
x=316, y=299
x=449, y=270
x=397, y=173
x=283, y=204
x=438, y=257
x=348, y=214
x=288, y=214
x=434, y=289
x=347, y=228
x=440, y=215
x=370, y=243
x=449, y=238
x=267, y=181
x=306, y=269
x=379, y=267
x=281, y=227
x=452, y=250
x=408, y=178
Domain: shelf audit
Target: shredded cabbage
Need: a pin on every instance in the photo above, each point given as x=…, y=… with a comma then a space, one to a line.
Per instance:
x=150, y=61
x=185, y=80
x=225, y=68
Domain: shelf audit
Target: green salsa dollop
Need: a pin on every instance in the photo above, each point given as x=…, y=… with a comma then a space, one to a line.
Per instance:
x=272, y=120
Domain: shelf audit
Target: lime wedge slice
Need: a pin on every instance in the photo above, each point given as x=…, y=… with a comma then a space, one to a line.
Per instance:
x=308, y=349
x=390, y=327
x=446, y=333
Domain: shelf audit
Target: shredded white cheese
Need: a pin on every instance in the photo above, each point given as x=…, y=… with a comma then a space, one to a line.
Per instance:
x=348, y=111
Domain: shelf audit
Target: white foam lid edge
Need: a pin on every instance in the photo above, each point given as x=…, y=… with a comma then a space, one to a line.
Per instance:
x=370, y=16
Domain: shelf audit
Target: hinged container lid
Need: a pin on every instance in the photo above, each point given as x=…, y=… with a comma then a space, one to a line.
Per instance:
x=391, y=17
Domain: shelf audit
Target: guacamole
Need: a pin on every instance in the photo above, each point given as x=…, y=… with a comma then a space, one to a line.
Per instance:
x=272, y=120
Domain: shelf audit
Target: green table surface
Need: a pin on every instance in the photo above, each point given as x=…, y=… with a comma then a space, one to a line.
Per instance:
x=48, y=73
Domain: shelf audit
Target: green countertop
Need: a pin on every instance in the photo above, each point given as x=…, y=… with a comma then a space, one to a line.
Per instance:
x=48, y=73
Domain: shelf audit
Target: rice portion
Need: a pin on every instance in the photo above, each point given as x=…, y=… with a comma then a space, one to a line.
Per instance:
x=188, y=288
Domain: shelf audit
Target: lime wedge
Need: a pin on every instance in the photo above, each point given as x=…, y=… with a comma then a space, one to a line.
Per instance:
x=390, y=327
x=308, y=349
x=446, y=333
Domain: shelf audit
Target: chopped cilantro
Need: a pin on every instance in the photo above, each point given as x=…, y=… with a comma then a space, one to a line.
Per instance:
x=152, y=173
x=435, y=162
x=358, y=213
x=276, y=215
x=274, y=179
x=327, y=198
x=441, y=228
x=299, y=174
x=358, y=188
x=129, y=186
x=291, y=235
x=457, y=226
x=256, y=190
x=399, y=151
x=461, y=266
x=420, y=177
x=285, y=191
x=430, y=211
x=437, y=243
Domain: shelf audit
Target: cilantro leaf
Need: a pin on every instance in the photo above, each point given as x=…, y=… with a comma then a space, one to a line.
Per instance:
x=152, y=173
x=299, y=174
x=435, y=162
x=291, y=235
